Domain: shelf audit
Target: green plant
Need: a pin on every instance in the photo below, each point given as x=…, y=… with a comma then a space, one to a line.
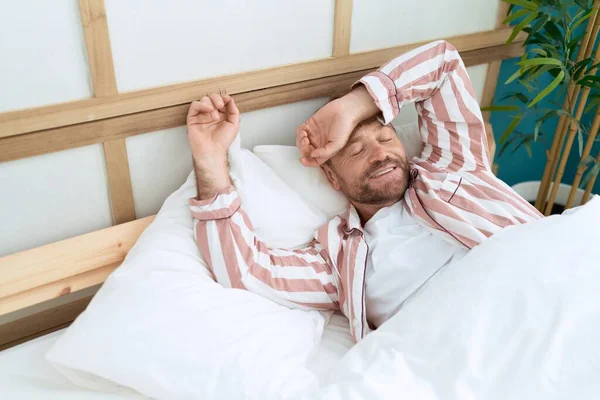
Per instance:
x=552, y=61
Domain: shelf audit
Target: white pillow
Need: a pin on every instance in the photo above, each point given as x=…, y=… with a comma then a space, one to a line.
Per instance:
x=279, y=215
x=517, y=318
x=411, y=139
x=161, y=326
x=311, y=183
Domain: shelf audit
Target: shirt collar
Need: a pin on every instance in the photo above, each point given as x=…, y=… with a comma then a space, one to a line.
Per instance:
x=351, y=220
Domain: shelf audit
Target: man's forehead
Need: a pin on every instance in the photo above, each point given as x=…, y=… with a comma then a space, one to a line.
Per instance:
x=365, y=130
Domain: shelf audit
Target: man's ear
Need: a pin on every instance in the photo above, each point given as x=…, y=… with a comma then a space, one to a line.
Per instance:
x=331, y=177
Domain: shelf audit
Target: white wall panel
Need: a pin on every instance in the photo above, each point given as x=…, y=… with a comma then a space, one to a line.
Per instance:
x=385, y=23
x=161, y=42
x=276, y=125
x=43, y=54
x=52, y=197
x=159, y=163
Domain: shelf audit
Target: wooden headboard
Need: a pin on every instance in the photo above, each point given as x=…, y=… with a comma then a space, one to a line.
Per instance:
x=54, y=270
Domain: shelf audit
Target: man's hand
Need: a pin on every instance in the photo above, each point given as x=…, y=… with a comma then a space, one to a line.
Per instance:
x=328, y=130
x=212, y=125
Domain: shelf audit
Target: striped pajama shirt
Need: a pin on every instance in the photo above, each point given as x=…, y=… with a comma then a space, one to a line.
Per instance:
x=453, y=193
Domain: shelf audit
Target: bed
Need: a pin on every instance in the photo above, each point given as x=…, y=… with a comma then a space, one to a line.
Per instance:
x=33, y=277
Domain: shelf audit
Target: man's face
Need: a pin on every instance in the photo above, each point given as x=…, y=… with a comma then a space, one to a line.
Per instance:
x=372, y=168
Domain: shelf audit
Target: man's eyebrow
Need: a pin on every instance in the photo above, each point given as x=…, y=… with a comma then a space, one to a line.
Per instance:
x=353, y=139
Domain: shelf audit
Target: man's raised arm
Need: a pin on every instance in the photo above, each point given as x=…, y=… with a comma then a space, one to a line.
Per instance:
x=225, y=236
x=434, y=77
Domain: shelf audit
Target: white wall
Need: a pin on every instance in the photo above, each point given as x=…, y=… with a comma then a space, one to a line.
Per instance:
x=43, y=54
x=158, y=42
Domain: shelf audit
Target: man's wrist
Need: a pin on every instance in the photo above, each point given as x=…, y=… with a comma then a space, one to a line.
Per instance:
x=212, y=174
x=361, y=105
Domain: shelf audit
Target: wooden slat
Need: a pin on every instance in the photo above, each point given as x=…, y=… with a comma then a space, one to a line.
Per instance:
x=97, y=42
x=33, y=336
x=63, y=138
x=130, y=125
x=491, y=78
x=24, y=121
x=342, y=27
x=59, y=268
x=32, y=326
x=55, y=289
x=119, y=181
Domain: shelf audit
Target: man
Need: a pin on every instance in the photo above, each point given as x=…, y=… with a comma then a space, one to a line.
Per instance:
x=406, y=220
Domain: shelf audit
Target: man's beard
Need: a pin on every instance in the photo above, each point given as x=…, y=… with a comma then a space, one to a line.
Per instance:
x=360, y=190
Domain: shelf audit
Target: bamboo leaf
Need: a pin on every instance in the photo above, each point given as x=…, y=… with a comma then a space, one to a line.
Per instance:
x=511, y=128
x=500, y=108
x=518, y=28
x=548, y=89
x=536, y=131
x=589, y=80
x=541, y=52
x=580, y=141
x=540, y=61
x=549, y=114
x=563, y=10
x=530, y=5
x=539, y=72
x=528, y=149
x=539, y=24
x=522, y=98
x=582, y=20
x=513, y=77
x=590, y=174
x=592, y=103
x=586, y=161
x=516, y=15
x=554, y=31
x=580, y=67
x=572, y=45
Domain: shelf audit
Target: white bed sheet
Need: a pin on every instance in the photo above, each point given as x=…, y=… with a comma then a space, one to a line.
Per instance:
x=25, y=373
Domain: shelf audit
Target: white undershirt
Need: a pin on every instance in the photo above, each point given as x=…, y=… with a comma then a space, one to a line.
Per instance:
x=402, y=256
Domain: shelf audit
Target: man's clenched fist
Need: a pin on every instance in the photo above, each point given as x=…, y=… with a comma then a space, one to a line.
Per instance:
x=212, y=124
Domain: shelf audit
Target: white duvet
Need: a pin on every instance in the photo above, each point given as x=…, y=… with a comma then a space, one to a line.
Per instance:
x=517, y=318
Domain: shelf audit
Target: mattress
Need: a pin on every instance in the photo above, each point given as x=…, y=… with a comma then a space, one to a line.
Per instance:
x=25, y=373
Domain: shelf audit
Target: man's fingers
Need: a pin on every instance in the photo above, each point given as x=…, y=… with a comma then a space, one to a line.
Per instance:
x=233, y=113
x=199, y=107
x=309, y=162
x=214, y=112
x=302, y=142
x=328, y=151
x=217, y=100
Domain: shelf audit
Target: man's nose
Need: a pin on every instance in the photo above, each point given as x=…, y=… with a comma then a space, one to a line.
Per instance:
x=377, y=153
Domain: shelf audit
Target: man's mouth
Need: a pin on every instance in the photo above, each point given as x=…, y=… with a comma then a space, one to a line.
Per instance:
x=383, y=171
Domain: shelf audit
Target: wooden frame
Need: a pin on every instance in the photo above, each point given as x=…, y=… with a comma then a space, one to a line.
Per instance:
x=104, y=82
x=57, y=269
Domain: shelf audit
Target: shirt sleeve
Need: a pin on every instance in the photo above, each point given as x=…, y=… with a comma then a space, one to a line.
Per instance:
x=434, y=78
x=237, y=258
